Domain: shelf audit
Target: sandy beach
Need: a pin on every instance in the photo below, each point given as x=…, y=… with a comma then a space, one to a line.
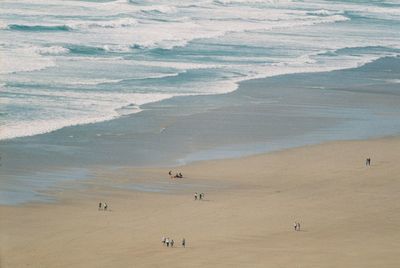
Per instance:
x=349, y=214
x=268, y=108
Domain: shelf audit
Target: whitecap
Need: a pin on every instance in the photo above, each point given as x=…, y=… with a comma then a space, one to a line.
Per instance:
x=161, y=9
x=23, y=60
x=51, y=50
x=322, y=12
x=3, y=25
x=118, y=23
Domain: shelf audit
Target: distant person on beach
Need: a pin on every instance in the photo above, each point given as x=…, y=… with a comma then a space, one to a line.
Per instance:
x=172, y=243
x=295, y=226
x=178, y=175
x=195, y=196
x=163, y=240
x=170, y=173
x=183, y=242
x=298, y=226
x=167, y=242
x=368, y=162
x=100, y=206
x=105, y=206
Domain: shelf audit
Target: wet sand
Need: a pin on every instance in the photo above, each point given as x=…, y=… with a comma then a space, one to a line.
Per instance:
x=263, y=115
x=349, y=214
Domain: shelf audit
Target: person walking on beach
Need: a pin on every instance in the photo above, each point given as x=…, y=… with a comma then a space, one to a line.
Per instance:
x=167, y=242
x=163, y=240
x=195, y=196
x=172, y=243
x=100, y=206
x=295, y=226
x=105, y=206
x=368, y=161
x=183, y=242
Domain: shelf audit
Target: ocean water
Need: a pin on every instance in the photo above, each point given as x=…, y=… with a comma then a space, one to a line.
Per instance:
x=70, y=62
x=161, y=81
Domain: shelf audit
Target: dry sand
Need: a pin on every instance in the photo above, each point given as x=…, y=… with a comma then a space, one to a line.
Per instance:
x=350, y=214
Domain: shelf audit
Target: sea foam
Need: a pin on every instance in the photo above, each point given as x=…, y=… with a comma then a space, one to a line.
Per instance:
x=107, y=59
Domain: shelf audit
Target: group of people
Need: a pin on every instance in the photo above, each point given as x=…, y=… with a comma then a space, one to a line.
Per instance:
x=368, y=161
x=177, y=175
x=103, y=206
x=296, y=226
x=198, y=196
x=170, y=242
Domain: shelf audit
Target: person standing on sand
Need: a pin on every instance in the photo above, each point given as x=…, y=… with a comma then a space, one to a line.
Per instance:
x=183, y=242
x=195, y=196
x=100, y=206
x=105, y=206
x=172, y=243
x=163, y=240
x=295, y=226
x=167, y=242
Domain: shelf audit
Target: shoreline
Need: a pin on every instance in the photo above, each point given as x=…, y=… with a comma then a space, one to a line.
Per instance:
x=100, y=176
x=246, y=218
x=54, y=195
x=286, y=111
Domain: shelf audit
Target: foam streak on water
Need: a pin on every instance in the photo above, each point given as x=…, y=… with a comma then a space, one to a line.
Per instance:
x=104, y=59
